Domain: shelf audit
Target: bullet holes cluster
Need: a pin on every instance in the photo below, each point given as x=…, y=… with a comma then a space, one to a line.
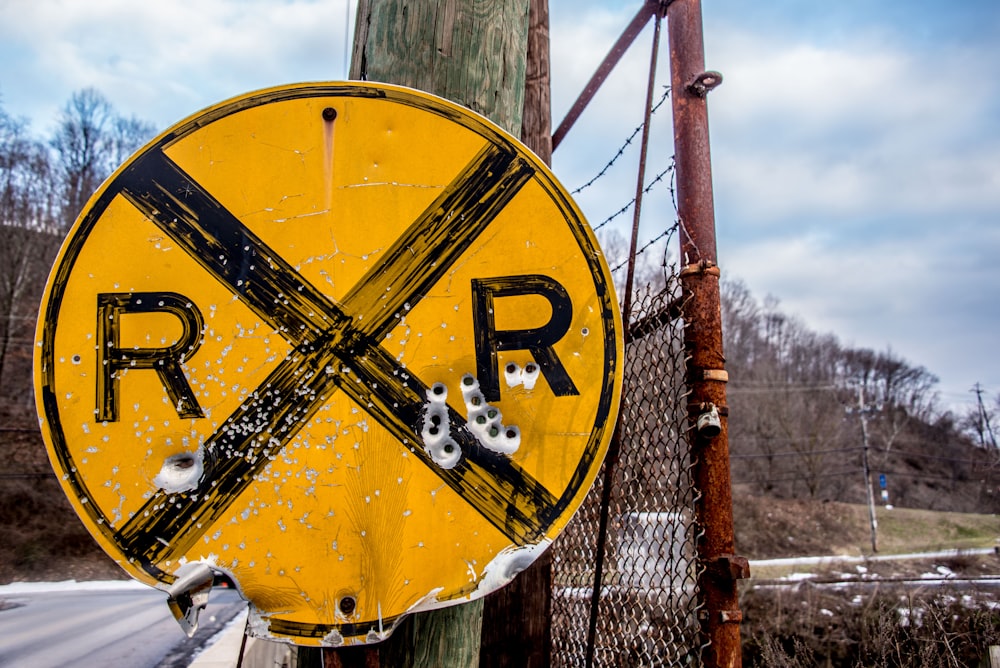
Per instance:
x=515, y=375
x=436, y=431
x=483, y=420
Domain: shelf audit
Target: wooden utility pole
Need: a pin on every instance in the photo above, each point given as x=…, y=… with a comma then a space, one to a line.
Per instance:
x=863, y=414
x=517, y=618
x=471, y=52
x=983, y=424
x=468, y=51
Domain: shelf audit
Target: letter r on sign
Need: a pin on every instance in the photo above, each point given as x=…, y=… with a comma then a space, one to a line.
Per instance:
x=539, y=341
x=112, y=358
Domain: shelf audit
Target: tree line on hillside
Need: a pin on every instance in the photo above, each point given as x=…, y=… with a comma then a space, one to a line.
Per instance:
x=44, y=185
x=804, y=407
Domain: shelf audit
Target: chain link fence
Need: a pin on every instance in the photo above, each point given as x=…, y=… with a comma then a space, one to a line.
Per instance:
x=647, y=608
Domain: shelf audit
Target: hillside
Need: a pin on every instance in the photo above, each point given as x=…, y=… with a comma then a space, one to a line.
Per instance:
x=768, y=528
x=44, y=540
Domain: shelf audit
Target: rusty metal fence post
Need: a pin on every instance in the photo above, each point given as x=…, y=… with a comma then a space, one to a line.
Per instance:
x=706, y=376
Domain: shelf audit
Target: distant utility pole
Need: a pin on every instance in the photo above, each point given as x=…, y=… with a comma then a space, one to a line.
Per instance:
x=863, y=414
x=983, y=427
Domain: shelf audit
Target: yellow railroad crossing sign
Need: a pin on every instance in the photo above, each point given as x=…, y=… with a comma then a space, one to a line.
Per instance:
x=349, y=343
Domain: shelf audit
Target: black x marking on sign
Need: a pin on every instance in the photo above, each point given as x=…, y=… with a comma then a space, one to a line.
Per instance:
x=334, y=347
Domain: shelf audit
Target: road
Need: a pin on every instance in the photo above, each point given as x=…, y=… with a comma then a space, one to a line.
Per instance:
x=119, y=624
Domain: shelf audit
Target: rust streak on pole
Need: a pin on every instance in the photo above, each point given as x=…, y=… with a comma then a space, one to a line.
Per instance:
x=706, y=376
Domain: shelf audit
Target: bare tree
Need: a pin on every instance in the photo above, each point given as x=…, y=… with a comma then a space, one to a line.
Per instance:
x=897, y=392
x=90, y=141
x=41, y=194
x=26, y=242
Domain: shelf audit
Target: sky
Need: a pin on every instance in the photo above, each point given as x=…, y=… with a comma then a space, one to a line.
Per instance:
x=855, y=145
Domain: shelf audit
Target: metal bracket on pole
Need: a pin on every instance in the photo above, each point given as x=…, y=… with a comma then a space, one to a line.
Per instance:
x=705, y=82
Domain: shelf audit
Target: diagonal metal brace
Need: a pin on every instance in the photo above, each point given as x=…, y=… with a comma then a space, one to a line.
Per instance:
x=649, y=9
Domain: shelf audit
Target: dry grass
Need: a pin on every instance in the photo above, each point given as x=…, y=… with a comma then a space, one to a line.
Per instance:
x=884, y=627
x=770, y=528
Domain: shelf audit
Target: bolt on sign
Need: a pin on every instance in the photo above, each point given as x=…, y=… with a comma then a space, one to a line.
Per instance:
x=350, y=344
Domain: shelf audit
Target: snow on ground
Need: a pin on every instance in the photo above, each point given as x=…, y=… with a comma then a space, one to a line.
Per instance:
x=70, y=585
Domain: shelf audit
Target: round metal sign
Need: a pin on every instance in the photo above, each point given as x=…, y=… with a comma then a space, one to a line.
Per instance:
x=351, y=344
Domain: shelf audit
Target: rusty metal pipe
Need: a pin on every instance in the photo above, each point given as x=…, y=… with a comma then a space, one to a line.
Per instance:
x=705, y=374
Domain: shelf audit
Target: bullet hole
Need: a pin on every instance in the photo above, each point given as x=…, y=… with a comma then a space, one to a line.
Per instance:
x=181, y=472
x=435, y=430
x=329, y=114
x=184, y=462
x=530, y=376
x=76, y=359
x=511, y=368
x=347, y=605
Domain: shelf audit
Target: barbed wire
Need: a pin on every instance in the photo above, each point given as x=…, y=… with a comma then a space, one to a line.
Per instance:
x=656, y=179
x=649, y=244
x=628, y=142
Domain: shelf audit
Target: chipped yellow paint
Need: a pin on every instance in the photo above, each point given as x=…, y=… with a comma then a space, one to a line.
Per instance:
x=243, y=332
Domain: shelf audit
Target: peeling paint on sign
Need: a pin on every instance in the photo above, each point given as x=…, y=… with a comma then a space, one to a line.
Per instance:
x=349, y=344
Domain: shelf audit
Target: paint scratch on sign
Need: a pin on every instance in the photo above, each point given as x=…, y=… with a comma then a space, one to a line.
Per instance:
x=506, y=565
x=322, y=212
x=392, y=184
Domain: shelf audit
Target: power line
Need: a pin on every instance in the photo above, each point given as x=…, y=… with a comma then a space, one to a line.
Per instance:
x=906, y=453
x=793, y=453
x=798, y=478
x=747, y=388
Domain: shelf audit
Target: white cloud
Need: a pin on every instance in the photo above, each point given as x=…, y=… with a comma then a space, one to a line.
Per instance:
x=803, y=130
x=164, y=61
